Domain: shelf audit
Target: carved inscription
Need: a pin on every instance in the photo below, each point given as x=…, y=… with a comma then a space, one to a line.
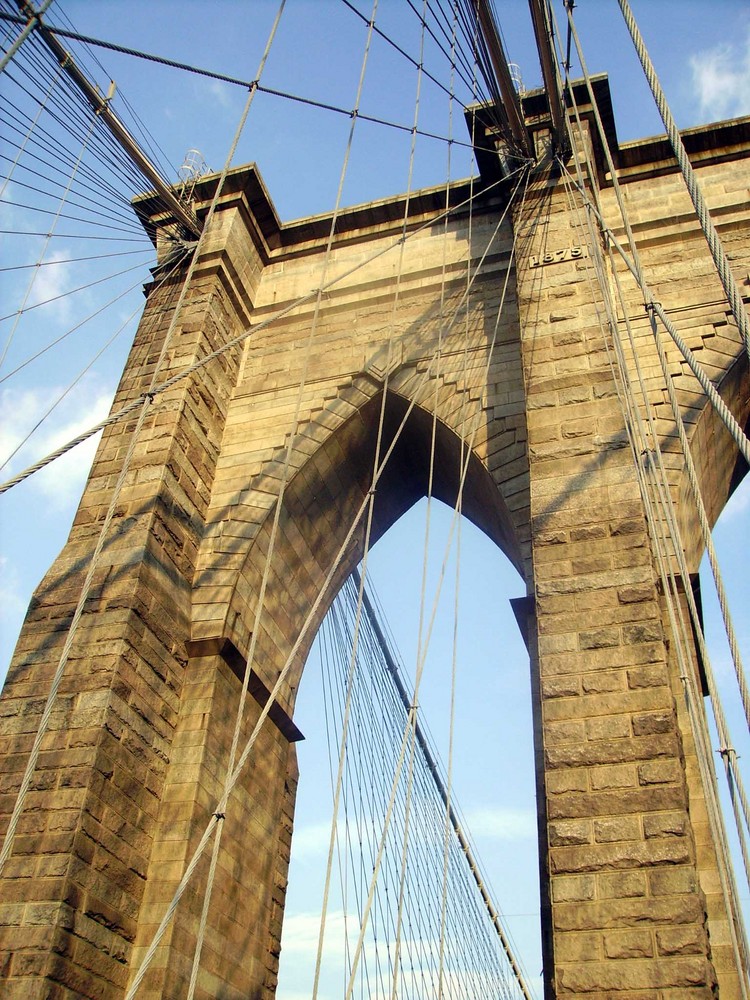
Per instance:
x=557, y=256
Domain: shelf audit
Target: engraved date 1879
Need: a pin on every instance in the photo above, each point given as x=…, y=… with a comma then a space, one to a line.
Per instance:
x=556, y=256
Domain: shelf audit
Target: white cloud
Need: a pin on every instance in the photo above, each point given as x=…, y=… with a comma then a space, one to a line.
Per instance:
x=310, y=843
x=220, y=93
x=501, y=824
x=301, y=932
x=11, y=603
x=20, y=409
x=49, y=281
x=721, y=79
x=739, y=502
x=13, y=600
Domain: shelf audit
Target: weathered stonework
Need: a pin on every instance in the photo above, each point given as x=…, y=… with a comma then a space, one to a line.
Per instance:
x=134, y=760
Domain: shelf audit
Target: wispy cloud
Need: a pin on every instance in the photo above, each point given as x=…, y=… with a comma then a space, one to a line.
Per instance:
x=220, y=93
x=301, y=931
x=738, y=503
x=11, y=603
x=50, y=281
x=310, y=843
x=21, y=409
x=721, y=79
x=501, y=824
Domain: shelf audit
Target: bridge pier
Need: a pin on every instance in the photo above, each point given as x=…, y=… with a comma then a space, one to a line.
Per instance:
x=135, y=758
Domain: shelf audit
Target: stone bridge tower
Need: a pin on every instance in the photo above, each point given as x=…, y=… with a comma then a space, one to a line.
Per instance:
x=132, y=765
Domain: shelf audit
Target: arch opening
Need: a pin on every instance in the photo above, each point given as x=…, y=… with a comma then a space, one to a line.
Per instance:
x=321, y=502
x=493, y=776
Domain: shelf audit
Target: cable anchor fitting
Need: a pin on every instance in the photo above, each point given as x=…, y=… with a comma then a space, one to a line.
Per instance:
x=105, y=100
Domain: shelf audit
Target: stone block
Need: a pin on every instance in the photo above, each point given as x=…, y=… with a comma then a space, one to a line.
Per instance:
x=605, y=977
x=690, y=940
x=613, y=776
x=650, y=723
x=617, y=828
x=570, y=832
x=653, y=675
x=664, y=825
x=659, y=772
x=629, y=944
x=622, y=885
x=570, y=888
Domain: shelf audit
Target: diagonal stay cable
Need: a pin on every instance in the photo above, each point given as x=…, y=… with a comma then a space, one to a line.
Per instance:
x=718, y=253
x=740, y=438
x=665, y=537
x=144, y=403
x=43, y=252
x=220, y=809
x=246, y=84
x=250, y=331
x=72, y=291
x=421, y=663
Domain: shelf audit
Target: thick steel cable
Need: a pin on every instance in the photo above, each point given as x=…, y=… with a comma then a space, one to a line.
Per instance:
x=665, y=503
x=703, y=521
x=260, y=601
x=221, y=805
x=31, y=763
x=647, y=472
x=31, y=24
x=144, y=403
x=690, y=466
x=636, y=269
x=220, y=809
x=727, y=751
x=723, y=411
x=219, y=351
x=709, y=230
x=206, y=226
x=396, y=298
x=69, y=388
x=219, y=812
x=419, y=672
x=681, y=637
x=433, y=437
x=373, y=882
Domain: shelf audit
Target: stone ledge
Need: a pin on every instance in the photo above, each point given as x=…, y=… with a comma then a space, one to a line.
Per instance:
x=226, y=649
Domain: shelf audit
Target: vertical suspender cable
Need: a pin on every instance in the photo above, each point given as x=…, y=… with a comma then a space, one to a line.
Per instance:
x=220, y=826
x=691, y=695
x=655, y=308
x=709, y=230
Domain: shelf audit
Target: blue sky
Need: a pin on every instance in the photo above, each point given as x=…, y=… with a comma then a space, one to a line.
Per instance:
x=704, y=63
